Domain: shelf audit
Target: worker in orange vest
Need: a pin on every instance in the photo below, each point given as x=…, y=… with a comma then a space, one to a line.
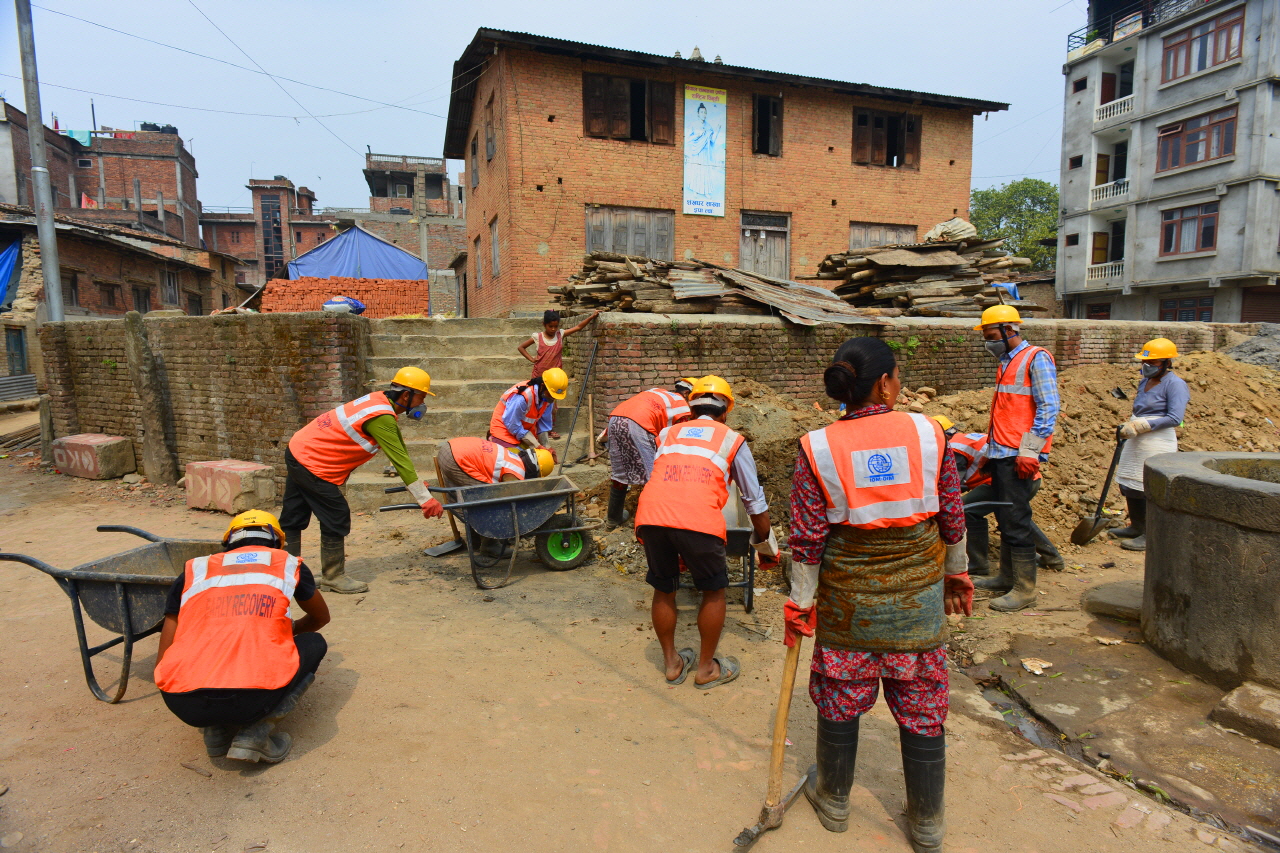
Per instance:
x=322, y=455
x=525, y=411
x=479, y=461
x=970, y=453
x=633, y=430
x=230, y=661
x=680, y=518
x=1024, y=412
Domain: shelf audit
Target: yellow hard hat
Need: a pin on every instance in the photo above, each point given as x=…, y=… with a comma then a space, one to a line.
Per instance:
x=545, y=461
x=944, y=422
x=1157, y=349
x=685, y=384
x=413, y=377
x=998, y=314
x=253, y=518
x=557, y=383
x=712, y=384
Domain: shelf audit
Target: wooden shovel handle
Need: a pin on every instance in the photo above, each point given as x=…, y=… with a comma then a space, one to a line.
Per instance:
x=789, y=668
x=452, y=524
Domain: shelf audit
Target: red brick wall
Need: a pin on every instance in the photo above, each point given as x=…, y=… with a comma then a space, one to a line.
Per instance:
x=814, y=171
x=95, y=266
x=383, y=297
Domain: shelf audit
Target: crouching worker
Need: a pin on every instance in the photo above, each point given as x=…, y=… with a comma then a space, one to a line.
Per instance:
x=231, y=662
x=877, y=556
x=479, y=462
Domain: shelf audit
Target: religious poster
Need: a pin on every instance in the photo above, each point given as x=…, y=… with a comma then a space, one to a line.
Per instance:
x=704, y=150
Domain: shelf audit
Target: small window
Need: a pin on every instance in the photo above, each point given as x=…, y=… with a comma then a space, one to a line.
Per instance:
x=320, y=237
x=1203, y=46
x=631, y=231
x=84, y=163
x=195, y=305
x=1190, y=309
x=1196, y=140
x=475, y=161
x=142, y=299
x=479, y=269
x=169, y=284
x=226, y=300
x=495, y=268
x=627, y=108
x=886, y=139
x=490, y=139
x=767, y=137
x=1098, y=311
x=297, y=236
x=1080, y=85
x=1075, y=162
x=402, y=191
x=109, y=295
x=1189, y=229
x=864, y=235
x=70, y=290
x=235, y=236
x=1073, y=240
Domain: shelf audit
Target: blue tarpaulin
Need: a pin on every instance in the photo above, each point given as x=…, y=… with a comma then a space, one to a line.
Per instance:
x=9, y=274
x=355, y=253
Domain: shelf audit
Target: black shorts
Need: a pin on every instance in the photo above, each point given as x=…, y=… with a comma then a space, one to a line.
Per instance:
x=703, y=556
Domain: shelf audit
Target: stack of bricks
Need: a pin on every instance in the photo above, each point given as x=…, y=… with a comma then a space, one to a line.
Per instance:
x=382, y=297
x=238, y=386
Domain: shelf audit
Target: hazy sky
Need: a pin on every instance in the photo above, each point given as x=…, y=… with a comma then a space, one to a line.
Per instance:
x=401, y=52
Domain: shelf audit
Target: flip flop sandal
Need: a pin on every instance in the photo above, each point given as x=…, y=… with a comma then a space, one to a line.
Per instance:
x=729, y=669
x=689, y=657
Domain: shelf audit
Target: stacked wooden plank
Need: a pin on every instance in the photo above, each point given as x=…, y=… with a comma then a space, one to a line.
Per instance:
x=925, y=279
x=631, y=283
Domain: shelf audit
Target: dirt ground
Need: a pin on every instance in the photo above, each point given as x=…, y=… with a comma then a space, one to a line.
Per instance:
x=534, y=717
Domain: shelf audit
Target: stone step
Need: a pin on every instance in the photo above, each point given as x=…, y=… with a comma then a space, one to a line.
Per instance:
x=455, y=394
x=429, y=346
x=454, y=327
x=511, y=368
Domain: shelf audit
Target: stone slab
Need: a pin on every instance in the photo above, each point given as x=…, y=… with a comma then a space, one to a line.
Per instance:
x=1118, y=600
x=1253, y=710
x=230, y=485
x=94, y=456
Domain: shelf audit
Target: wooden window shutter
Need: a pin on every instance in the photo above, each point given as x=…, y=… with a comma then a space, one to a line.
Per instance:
x=663, y=223
x=641, y=233
x=911, y=141
x=662, y=113
x=1101, y=242
x=595, y=119
x=1107, y=91
x=1102, y=170
x=879, y=139
x=619, y=107
x=490, y=140
x=861, y=136
x=621, y=226
x=858, y=235
x=597, y=230
x=775, y=127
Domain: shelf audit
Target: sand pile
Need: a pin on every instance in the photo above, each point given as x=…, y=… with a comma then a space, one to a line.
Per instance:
x=1263, y=349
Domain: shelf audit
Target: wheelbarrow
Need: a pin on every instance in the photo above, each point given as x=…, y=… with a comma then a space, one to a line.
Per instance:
x=124, y=593
x=738, y=532
x=513, y=511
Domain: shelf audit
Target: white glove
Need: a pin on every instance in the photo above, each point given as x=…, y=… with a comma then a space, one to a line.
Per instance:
x=767, y=547
x=804, y=584
x=1135, y=428
x=1031, y=445
x=957, y=560
x=420, y=492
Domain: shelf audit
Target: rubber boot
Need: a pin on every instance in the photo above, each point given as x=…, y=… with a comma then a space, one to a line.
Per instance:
x=617, y=512
x=827, y=787
x=333, y=567
x=256, y=743
x=1002, y=582
x=1050, y=558
x=1137, y=519
x=924, y=768
x=217, y=739
x=1023, y=593
x=293, y=543
x=976, y=547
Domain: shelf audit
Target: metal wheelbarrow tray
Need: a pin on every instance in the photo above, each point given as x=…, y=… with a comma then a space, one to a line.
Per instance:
x=124, y=593
x=738, y=544
x=517, y=510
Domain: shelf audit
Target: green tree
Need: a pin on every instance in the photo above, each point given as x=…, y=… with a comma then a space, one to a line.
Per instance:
x=1023, y=212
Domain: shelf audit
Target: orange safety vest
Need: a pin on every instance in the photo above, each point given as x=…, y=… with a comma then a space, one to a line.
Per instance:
x=498, y=430
x=878, y=471
x=690, y=482
x=654, y=410
x=333, y=445
x=970, y=451
x=1013, y=409
x=485, y=460
x=234, y=630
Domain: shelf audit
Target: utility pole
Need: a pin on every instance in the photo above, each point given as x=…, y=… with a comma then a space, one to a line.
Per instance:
x=43, y=201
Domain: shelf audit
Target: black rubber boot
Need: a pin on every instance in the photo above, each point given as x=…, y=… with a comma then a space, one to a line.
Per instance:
x=1137, y=519
x=977, y=544
x=617, y=513
x=293, y=543
x=256, y=743
x=217, y=739
x=290, y=700
x=827, y=787
x=1002, y=582
x=333, y=567
x=924, y=768
x=1023, y=593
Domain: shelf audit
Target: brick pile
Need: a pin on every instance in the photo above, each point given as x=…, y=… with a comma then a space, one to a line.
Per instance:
x=383, y=297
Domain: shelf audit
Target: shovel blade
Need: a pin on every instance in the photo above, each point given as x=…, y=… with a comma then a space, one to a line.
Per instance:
x=1086, y=530
x=444, y=548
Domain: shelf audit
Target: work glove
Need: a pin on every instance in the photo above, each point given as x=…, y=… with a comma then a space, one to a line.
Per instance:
x=1135, y=427
x=432, y=509
x=957, y=594
x=767, y=547
x=800, y=613
x=1027, y=465
x=1026, y=468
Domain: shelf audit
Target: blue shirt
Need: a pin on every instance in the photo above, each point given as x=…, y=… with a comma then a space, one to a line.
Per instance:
x=1164, y=403
x=513, y=416
x=1044, y=391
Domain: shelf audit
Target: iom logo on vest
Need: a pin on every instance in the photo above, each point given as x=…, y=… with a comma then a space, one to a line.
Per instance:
x=696, y=433
x=888, y=466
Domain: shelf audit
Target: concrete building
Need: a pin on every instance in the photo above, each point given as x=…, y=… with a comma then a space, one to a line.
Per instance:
x=572, y=147
x=144, y=180
x=1170, y=170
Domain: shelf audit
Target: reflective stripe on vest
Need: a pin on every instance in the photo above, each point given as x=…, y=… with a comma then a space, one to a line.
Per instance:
x=690, y=482
x=653, y=415
x=859, y=463
x=200, y=580
x=484, y=460
x=332, y=445
x=971, y=448
x=1013, y=408
x=532, y=413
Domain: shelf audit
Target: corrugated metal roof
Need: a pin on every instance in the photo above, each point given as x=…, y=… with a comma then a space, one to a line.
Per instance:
x=799, y=303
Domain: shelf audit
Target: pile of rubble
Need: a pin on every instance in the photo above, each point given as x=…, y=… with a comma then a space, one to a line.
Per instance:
x=944, y=279
x=1262, y=349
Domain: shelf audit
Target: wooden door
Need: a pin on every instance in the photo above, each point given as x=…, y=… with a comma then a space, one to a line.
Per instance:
x=764, y=252
x=1101, y=240
x=1107, y=91
x=1102, y=171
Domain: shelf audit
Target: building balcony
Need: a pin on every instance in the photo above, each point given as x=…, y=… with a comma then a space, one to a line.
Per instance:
x=1102, y=272
x=1108, y=192
x=1115, y=108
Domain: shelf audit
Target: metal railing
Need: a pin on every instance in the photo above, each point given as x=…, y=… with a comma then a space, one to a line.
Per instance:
x=1115, y=189
x=1099, y=272
x=209, y=208
x=403, y=160
x=1110, y=110
x=1118, y=25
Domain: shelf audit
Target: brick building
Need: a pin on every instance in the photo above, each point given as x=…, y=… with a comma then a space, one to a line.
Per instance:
x=571, y=147
x=144, y=180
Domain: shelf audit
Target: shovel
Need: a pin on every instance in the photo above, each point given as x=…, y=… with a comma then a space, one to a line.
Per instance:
x=1091, y=527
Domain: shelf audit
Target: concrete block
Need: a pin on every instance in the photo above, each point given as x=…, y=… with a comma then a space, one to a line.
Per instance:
x=94, y=456
x=1252, y=709
x=1119, y=600
x=230, y=485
